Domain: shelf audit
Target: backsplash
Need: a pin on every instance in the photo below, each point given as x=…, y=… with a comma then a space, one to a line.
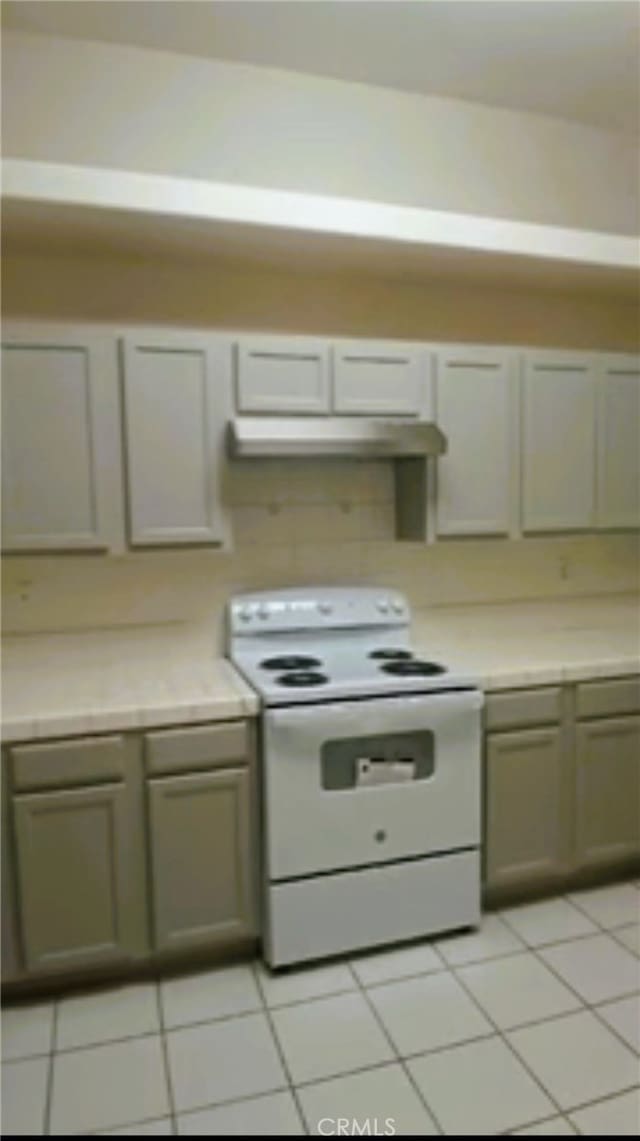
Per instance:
x=306, y=522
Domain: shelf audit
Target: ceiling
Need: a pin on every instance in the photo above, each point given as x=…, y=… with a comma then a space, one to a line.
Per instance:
x=573, y=59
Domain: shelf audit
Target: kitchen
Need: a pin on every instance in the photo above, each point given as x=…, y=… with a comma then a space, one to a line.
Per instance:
x=247, y=300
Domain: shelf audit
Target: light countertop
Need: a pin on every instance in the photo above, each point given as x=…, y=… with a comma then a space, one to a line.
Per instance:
x=103, y=680
x=516, y=644
x=138, y=677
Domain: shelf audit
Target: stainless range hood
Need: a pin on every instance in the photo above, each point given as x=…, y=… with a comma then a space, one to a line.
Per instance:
x=359, y=438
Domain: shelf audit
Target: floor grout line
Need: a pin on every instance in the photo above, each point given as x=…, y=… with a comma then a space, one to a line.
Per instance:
x=591, y=1007
x=46, y=1124
x=132, y=1125
x=509, y=1046
x=279, y=1048
x=603, y=1100
x=583, y=910
x=164, y=1046
x=397, y=1059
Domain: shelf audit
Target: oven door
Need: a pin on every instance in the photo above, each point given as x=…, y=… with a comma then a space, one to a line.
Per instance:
x=353, y=783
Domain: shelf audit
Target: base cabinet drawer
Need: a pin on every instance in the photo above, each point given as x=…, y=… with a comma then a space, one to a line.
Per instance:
x=77, y=893
x=526, y=808
x=201, y=865
x=608, y=791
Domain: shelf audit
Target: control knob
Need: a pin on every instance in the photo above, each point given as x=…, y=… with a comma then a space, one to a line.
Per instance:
x=383, y=605
x=325, y=607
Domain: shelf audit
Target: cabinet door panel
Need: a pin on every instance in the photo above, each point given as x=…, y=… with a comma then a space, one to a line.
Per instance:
x=200, y=854
x=172, y=426
x=558, y=443
x=618, y=502
x=608, y=791
x=527, y=816
x=11, y=957
x=379, y=378
x=289, y=375
x=475, y=408
x=60, y=453
x=73, y=878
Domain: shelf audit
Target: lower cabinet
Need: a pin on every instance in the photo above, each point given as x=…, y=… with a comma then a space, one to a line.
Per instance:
x=525, y=805
x=121, y=847
x=608, y=791
x=11, y=958
x=74, y=883
x=562, y=800
x=200, y=859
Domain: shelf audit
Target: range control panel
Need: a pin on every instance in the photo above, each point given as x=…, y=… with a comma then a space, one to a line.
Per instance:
x=308, y=609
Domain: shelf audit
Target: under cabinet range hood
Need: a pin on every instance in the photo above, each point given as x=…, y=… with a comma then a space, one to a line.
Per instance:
x=362, y=438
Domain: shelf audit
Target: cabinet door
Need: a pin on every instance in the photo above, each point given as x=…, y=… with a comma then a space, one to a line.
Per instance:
x=558, y=442
x=76, y=901
x=475, y=408
x=201, y=859
x=608, y=791
x=11, y=958
x=61, y=470
x=379, y=378
x=618, y=496
x=287, y=375
x=527, y=814
x=174, y=418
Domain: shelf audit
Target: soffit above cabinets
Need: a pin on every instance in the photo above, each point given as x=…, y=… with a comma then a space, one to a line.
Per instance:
x=55, y=208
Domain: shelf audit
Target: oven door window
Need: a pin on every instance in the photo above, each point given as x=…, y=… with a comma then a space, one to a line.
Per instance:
x=390, y=758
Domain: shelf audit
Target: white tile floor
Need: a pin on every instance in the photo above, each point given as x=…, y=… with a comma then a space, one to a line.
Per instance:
x=530, y=1026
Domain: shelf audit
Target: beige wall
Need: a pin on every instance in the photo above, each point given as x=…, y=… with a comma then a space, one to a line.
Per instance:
x=225, y=295
x=110, y=105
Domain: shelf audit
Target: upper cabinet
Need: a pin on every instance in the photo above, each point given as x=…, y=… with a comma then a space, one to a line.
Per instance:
x=91, y=464
x=174, y=414
x=618, y=461
x=377, y=378
x=114, y=439
x=475, y=407
x=301, y=376
x=285, y=375
x=558, y=441
x=61, y=482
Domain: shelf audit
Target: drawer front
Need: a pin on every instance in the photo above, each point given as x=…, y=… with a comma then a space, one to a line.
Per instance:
x=602, y=698
x=523, y=707
x=207, y=747
x=65, y=764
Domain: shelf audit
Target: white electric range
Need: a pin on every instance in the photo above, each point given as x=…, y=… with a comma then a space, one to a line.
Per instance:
x=370, y=766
